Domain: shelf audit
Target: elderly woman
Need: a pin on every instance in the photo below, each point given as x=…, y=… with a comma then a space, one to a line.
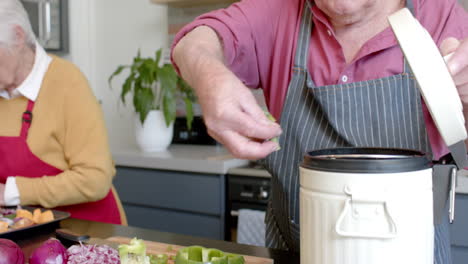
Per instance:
x=307, y=55
x=53, y=145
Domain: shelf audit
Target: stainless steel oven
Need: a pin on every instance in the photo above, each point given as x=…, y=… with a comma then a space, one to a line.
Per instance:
x=247, y=188
x=49, y=21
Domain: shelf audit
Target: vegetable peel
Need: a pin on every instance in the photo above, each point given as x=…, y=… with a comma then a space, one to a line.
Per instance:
x=273, y=119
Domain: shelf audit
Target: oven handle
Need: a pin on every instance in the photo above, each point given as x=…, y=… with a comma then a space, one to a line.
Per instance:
x=48, y=24
x=45, y=27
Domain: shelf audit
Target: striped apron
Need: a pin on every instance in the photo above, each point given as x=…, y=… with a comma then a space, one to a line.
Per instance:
x=384, y=112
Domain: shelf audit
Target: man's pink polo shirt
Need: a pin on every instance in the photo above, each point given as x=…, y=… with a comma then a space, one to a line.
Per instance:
x=259, y=40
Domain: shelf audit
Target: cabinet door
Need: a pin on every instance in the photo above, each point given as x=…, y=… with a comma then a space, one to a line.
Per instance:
x=186, y=203
x=459, y=230
x=176, y=221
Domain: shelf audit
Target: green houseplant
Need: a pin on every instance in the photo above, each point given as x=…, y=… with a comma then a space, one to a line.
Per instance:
x=155, y=86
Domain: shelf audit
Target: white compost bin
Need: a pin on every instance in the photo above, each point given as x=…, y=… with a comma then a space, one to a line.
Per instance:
x=366, y=206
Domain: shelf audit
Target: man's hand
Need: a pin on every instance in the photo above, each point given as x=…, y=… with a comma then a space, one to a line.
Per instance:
x=234, y=118
x=231, y=113
x=458, y=65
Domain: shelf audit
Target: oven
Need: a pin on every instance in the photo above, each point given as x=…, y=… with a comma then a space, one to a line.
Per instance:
x=247, y=188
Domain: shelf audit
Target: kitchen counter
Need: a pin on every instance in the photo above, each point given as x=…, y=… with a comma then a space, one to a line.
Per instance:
x=207, y=159
x=179, y=157
x=249, y=172
x=30, y=240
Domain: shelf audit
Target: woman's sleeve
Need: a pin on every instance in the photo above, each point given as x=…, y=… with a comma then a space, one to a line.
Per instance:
x=85, y=147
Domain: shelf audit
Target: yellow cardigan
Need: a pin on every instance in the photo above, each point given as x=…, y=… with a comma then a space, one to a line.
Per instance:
x=67, y=132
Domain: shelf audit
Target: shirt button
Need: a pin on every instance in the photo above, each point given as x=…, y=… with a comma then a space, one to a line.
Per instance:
x=329, y=32
x=344, y=78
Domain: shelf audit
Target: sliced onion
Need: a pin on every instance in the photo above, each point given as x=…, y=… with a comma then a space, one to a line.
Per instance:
x=92, y=254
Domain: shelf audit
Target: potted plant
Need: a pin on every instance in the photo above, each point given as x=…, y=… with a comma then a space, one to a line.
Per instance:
x=155, y=87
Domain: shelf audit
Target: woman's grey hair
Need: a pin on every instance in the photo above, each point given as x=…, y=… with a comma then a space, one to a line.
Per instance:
x=12, y=13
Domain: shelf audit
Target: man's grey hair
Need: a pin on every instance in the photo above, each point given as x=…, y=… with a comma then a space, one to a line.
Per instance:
x=13, y=13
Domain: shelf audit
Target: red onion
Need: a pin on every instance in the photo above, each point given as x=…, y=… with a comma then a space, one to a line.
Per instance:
x=10, y=252
x=92, y=254
x=50, y=252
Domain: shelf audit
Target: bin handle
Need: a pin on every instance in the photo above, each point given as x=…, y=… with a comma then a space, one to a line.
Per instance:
x=385, y=235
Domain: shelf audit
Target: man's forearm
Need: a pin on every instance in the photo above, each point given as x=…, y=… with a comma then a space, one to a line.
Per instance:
x=199, y=56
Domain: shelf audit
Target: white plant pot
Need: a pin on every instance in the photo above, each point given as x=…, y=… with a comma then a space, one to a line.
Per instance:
x=153, y=135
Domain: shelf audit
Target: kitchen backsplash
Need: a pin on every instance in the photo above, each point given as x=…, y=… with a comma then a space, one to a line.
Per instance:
x=180, y=16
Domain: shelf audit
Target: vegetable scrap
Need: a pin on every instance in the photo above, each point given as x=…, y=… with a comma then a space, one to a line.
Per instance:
x=92, y=254
x=199, y=255
x=11, y=219
x=135, y=253
x=272, y=118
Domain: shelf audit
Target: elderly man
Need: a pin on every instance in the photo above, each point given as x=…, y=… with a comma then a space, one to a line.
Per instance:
x=53, y=144
x=304, y=54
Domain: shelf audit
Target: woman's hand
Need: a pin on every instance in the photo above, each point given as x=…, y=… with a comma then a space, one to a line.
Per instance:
x=458, y=65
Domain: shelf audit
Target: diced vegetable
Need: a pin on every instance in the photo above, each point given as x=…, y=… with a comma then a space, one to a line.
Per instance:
x=92, y=254
x=7, y=211
x=21, y=218
x=21, y=213
x=135, y=253
x=36, y=215
x=22, y=223
x=199, y=255
x=3, y=226
x=235, y=259
x=272, y=118
x=46, y=216
x=158, y=259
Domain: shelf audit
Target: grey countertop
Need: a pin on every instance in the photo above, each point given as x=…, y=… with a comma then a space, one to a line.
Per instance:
x=180, y=157
x=207, y=159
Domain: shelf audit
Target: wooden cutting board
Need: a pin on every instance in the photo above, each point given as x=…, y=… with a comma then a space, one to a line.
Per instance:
x=154, y=248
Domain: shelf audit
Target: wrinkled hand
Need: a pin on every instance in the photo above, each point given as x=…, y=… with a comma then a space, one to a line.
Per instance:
x=2, y=194
x=234, y=118
x=458, y=65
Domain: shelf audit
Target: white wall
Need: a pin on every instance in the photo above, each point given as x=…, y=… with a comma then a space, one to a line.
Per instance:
x=106, y=33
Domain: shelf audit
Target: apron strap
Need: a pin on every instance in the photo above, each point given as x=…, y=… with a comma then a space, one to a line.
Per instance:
x=26, y=120
x=410, y=6
x=406, y=67
x=300, y=59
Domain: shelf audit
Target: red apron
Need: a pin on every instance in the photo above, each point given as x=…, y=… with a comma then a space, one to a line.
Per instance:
x=16, y=159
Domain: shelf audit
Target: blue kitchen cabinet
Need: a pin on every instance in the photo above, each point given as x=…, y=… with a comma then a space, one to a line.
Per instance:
x=459, y=230
x=173, y=201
